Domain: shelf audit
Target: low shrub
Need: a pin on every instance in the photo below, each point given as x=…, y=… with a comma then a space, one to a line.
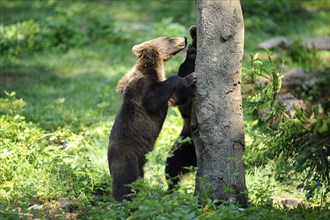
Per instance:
x=38, y=166
x=297, y=142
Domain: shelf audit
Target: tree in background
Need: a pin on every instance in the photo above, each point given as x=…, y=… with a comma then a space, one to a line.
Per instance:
x=217, y=118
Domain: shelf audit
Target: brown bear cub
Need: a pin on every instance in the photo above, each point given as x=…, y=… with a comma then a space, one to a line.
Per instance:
x=183, y=154
x=142, y=113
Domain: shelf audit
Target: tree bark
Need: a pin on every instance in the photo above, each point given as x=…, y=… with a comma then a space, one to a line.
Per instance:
x=217, y=118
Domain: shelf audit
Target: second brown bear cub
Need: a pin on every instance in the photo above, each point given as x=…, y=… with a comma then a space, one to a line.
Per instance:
x=142, y=113
x=183, y=154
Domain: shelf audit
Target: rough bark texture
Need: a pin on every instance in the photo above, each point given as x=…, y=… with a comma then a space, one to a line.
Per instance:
x=217, y=118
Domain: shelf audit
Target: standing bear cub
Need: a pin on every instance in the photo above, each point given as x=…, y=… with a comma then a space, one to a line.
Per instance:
x=183, y=153
x=140, y=118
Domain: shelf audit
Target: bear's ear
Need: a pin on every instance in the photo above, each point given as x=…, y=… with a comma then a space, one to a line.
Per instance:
x=137, y=50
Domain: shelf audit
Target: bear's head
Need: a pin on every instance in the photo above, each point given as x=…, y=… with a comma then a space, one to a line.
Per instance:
x=165, y=47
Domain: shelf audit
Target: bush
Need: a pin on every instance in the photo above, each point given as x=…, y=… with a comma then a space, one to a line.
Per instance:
x=59, y=32
x=276, y=9
x=307, y=58
x=298, y=142
x=36, y=165
x=19, y=38
x=271, y=16
x=70, y=28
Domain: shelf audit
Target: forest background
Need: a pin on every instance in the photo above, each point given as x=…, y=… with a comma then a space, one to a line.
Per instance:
x=60, y=62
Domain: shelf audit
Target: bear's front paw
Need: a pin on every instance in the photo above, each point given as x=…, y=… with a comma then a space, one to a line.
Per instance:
x=190, y=79
x=193, y=34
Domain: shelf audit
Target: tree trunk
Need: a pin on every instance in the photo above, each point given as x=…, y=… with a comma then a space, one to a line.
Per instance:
x=217, y=118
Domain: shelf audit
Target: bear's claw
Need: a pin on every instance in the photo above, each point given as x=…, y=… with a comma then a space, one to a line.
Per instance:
x=191, y=79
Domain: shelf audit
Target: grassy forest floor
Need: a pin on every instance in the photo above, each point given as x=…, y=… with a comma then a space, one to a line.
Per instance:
x=60, y=63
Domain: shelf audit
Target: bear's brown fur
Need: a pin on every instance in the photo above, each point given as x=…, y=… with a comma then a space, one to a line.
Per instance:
x=142, y=113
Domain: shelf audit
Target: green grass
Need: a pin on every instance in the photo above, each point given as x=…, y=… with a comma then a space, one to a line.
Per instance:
x=68, y=89
x=54, y=130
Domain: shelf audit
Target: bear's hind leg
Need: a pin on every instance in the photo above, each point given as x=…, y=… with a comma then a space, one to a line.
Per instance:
x=183, y=156
x=123, y=173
